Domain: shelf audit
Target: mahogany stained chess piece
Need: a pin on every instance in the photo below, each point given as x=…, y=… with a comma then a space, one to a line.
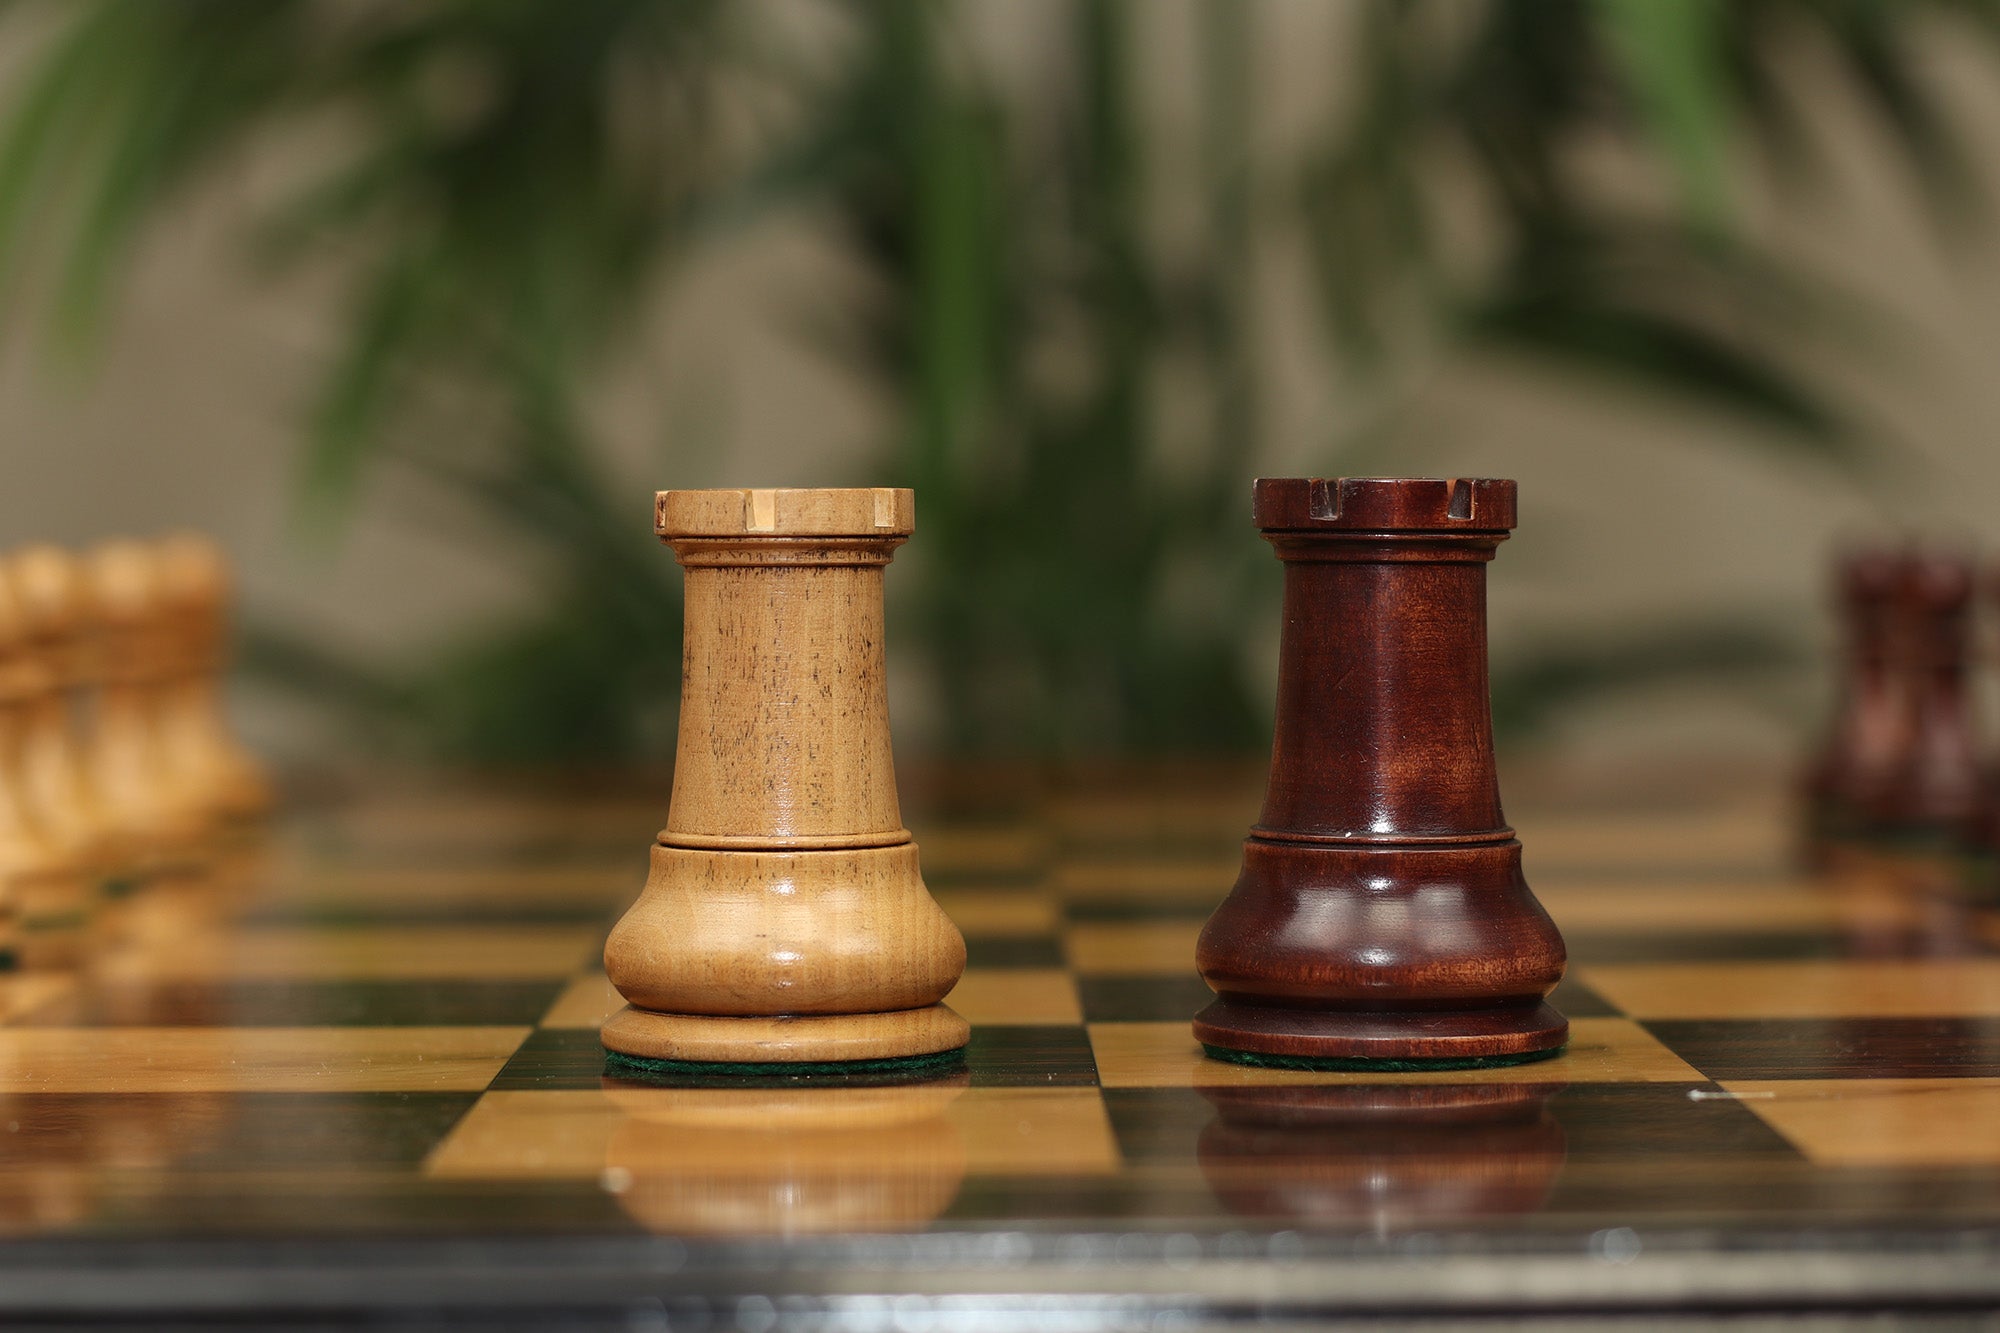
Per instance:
x=785, y=920
x=1935, y=795
x=1851, y=779
x=1381, y=916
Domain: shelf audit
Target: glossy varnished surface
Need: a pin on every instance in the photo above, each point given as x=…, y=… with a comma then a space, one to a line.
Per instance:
x=383, y=1033
x=1381, y=913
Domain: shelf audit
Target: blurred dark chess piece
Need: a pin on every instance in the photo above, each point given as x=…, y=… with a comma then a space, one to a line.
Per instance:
x=1936, y=794
x=1900, y=764
x=1850, y=781
x=1984, y=833
x=1383, y=1155
x=785, y=921
x=1381, y=917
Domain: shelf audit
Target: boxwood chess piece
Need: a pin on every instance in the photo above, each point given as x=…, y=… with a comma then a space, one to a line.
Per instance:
x=785, y=921
x=1381, y=918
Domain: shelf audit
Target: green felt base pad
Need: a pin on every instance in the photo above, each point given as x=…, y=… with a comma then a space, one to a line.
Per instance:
x=618, y=1064
x=1265, y=1061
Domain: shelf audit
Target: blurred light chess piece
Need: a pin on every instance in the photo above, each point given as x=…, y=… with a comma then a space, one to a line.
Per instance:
x=116, y=767
x=26, y=855
x=154, y=824
x=230, y=783
x=50, y=776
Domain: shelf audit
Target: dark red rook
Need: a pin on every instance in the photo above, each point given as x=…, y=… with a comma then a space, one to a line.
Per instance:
x=1381, y=916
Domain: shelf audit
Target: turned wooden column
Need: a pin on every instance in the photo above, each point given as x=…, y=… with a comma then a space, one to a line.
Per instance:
x=1935, y=791
x=785, y=920
x=1853, y=777
x=1381, y=915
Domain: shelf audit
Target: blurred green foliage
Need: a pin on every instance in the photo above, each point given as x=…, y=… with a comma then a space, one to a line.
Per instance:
x=507, y=185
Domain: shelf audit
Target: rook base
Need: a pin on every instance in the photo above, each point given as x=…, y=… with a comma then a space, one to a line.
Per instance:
x=785, y=1039
x=1435, y=1039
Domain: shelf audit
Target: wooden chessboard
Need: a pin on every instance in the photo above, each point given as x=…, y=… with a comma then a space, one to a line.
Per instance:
x=358, y=1068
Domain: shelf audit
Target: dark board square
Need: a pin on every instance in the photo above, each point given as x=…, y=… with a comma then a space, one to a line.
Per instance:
x=1157, y=1124
x=227, y=1131
x=1835, y=1047
x=1031, y=1057
x=416, y=1003
x=1092, y=1200
x=553, y=1059
x=1573, y=999
x=1142, y=999
x=1438, y=1122
x=1139, y=909
x=1710, y=946
x=421, y=911
x=1645, y=1121
x=1016, y=952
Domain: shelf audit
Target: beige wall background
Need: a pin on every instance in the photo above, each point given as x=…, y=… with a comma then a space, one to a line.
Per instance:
x=184, y=416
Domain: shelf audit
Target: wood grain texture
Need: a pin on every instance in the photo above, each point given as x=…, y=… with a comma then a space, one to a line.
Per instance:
x=1904, y=1122
x=785, y=902
x=785, y=933
x=785, y=1038
x=1381, y=912
x=1161, y=1055
x=405, y=1059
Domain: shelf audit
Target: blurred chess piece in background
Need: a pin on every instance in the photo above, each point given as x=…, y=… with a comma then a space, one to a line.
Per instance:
x=231, y=784
x=117, y=770
x=26, y=856
x=49, y=775
x=1869, y=731
x=155, y=825
x=1935, y=796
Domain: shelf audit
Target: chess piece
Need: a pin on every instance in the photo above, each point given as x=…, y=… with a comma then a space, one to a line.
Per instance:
x=1934, y=796
x=785, y=920
x=1383, y=1156
x=1853, y=778
x=156, y=821
x=1381, y=916
x=26, y=855
x=53, y=602
x=231, y=785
